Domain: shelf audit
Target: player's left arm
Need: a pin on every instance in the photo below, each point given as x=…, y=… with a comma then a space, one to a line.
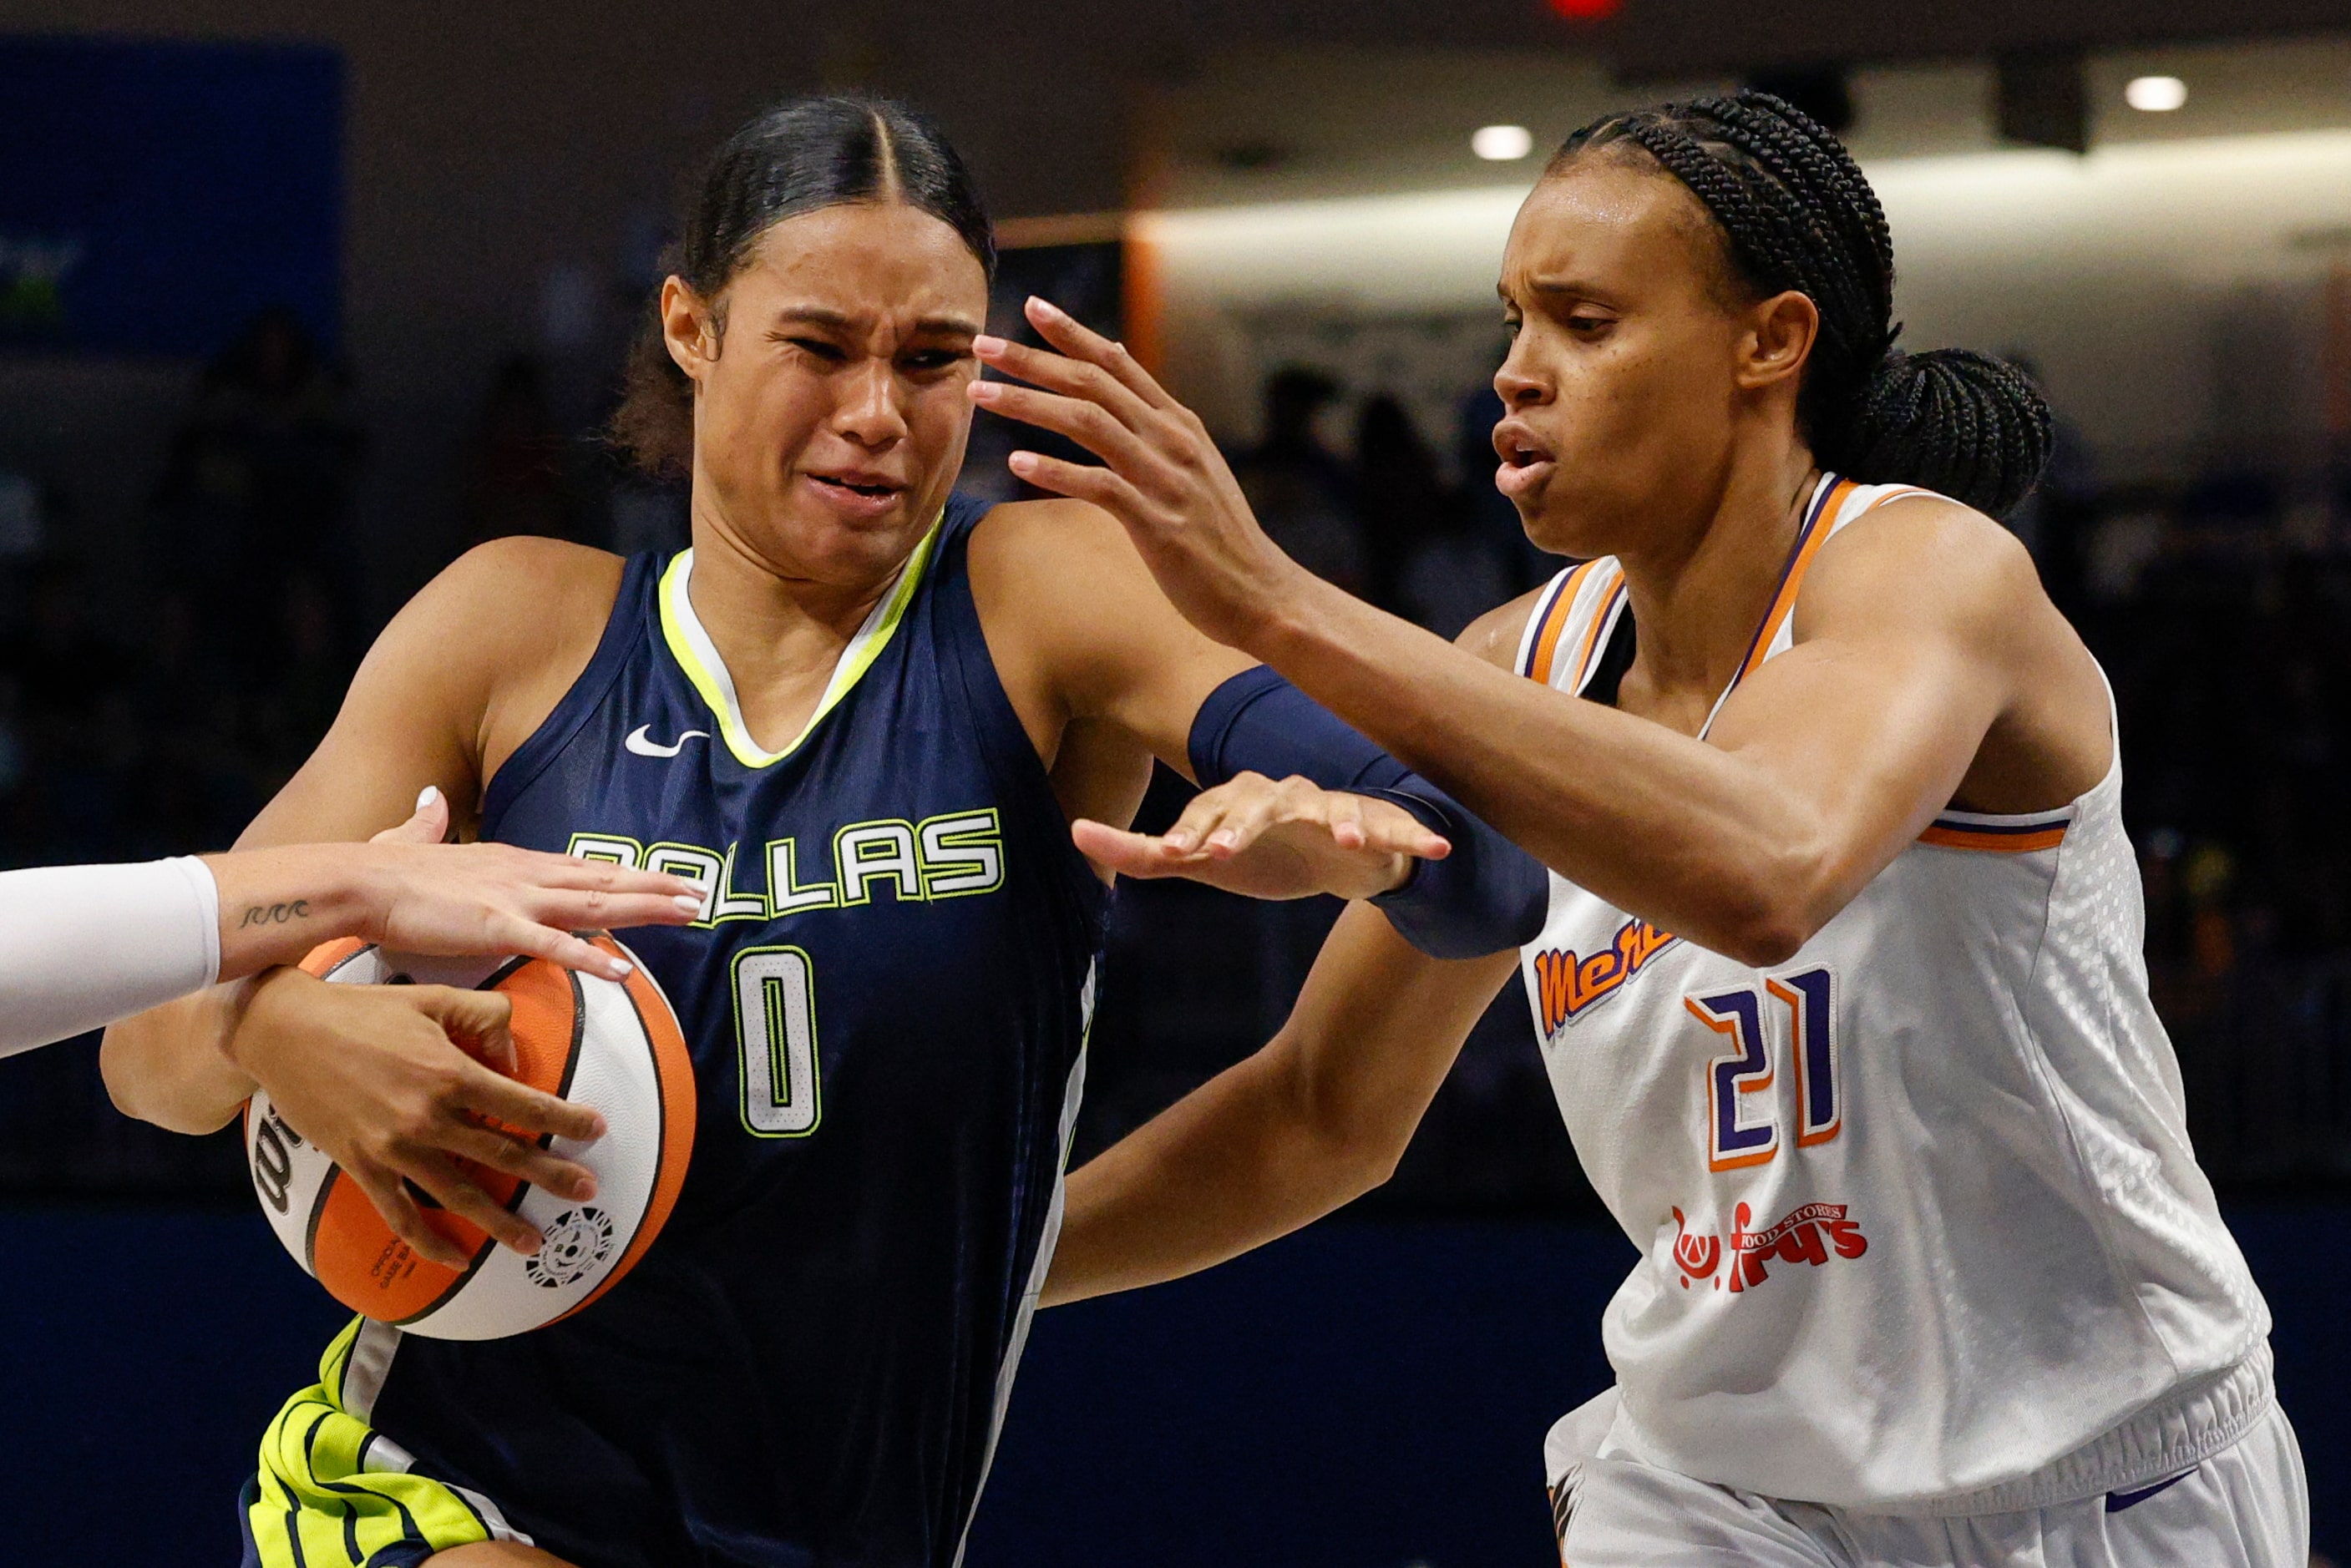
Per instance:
x=1929, y=666
x=1316, y=1118
x=1928, y=670
x=1106, y=676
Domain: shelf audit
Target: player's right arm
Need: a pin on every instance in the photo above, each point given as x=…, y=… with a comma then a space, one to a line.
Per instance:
x=391, y=1082
x=1316, y=1118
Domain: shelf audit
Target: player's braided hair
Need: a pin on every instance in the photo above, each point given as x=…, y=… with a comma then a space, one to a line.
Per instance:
x=1798, y=214
x=803, y=155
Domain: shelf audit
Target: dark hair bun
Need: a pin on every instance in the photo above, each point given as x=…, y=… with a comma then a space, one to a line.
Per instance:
x=1971, y=426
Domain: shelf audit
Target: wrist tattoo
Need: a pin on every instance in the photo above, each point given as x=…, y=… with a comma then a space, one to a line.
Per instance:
x=275, y=914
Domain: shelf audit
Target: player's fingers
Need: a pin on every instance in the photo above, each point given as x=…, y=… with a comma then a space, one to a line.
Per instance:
x=514, y=935
x=1343, y=814
x=524, y=1161
x=402, y=1213
x=478, y=1022
x=1081, y=482
x=1128, y=854
x=1092, y=384
x=487, y=1094
x=428, y=823
x=1388, y=827
x=1207, y=811
x=1081, y=342
x=1086, y=423
x=1246, y=816
x=572, y=872
x=592, y=910
x=441, y=1181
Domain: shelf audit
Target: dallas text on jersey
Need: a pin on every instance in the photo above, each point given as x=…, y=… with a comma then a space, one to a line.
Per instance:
x=951, y=855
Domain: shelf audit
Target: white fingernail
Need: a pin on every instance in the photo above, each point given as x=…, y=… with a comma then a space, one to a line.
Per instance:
x=425, y=796
x=622, y=968
x=688, y=903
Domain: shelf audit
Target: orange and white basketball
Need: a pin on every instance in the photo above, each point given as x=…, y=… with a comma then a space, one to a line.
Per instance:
x=613, y=1046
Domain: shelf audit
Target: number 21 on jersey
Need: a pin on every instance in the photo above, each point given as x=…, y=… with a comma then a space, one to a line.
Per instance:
x=1742, y=1115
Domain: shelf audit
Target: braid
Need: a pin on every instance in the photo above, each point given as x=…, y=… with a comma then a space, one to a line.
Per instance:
x=1798, y=213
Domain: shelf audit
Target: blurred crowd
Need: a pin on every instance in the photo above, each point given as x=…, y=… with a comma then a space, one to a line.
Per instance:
x=130, y=736
x=151, y=712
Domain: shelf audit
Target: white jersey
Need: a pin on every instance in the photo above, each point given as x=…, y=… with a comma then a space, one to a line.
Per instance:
x=1920, y=1228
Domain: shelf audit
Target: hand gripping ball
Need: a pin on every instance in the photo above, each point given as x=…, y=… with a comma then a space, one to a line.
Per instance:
x=613, y=1046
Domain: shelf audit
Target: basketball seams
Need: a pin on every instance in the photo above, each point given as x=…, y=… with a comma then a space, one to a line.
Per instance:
x=318, y=1212
x=497, y=980
x=672, y=1063
x=578, y=1035
x=661, y=1147
x=344, y=1243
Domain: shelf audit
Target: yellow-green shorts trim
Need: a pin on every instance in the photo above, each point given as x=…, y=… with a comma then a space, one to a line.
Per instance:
x=333, y=1492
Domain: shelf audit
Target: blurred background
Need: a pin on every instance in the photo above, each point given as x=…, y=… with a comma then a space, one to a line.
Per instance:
x=297, y=302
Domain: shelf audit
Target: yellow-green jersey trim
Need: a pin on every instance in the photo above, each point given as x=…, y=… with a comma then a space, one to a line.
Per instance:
x=333, y=1492
x=690, y=646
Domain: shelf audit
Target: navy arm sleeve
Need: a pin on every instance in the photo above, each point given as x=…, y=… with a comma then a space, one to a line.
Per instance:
x=1487, y=896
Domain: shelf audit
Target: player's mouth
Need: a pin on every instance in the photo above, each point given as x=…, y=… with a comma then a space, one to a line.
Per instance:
x=858, y=493
x=1526, y=464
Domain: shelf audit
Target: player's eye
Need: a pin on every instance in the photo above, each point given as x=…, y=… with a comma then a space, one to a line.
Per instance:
x=928, y=359
x=816, y=347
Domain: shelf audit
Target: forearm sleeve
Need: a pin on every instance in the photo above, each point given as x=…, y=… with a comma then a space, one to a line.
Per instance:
x=81, y=946
x=1487, y=896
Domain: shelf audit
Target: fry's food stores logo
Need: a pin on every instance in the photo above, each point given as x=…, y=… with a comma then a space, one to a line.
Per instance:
x=1810, y=1235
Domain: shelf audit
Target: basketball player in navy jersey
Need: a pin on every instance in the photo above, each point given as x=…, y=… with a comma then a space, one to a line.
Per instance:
x=861, y=715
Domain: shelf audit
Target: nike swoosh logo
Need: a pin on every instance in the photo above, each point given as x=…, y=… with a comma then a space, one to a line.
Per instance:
x=2119, y=1500
x=638, y=744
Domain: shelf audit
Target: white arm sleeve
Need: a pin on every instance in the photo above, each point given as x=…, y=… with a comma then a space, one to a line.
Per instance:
x=81, y=946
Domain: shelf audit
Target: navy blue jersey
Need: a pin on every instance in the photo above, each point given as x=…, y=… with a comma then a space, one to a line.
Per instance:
x=887, y=1000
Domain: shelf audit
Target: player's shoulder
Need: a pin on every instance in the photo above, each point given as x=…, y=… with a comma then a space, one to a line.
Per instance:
x=1049, y=527
x=1920, y=556
x=566, y=585
x=506, y=611
x=1495, y=635
x=1062, y=560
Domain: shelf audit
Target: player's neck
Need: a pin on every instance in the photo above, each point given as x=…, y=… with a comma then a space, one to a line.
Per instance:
x=743, y=596
x=780, y=633
x=1697, y=593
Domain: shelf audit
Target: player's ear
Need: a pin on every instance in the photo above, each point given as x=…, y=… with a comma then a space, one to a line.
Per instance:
x=690, y=326
x=1779, y=338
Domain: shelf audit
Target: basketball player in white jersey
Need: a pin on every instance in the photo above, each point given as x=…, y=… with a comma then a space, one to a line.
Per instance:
x=1840, y=990
x=82, y=946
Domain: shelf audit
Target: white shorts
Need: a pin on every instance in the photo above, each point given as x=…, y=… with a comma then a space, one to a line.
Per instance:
x=2245, y=1507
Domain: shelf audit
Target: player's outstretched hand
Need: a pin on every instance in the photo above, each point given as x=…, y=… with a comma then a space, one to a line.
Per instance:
x=1163, y=477
x=435, y=898
x=1273, y=839
x=396, y=1083
x=407, y=889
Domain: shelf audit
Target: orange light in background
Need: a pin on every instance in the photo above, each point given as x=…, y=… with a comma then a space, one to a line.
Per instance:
x=1585, y=10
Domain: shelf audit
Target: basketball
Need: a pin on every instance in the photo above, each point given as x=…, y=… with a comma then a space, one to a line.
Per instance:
x=613, y=1046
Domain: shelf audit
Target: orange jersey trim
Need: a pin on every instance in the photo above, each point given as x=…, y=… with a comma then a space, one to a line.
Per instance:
x=1784, y=604
x=1546, y=648
x=1591, y=635
x=1994, y=841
